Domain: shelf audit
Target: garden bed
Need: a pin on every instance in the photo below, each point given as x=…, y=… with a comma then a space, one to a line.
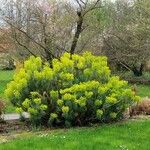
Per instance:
x=13, y=126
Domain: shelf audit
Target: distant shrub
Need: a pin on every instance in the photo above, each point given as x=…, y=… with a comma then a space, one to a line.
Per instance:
x=141, y=108
x=75, y=91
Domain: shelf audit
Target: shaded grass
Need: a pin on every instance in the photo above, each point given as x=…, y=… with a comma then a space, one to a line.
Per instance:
x=121, y=136
x=5, y=78
x=143, y=90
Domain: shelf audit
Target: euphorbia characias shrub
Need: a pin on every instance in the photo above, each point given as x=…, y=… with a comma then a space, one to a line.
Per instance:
x=77, y=90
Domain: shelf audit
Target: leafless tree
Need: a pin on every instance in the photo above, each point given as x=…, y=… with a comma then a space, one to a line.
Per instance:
x=84, y=7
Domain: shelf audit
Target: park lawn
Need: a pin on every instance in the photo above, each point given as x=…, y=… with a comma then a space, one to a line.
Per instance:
x=131, y=135
x=5, y=78
x=143, y=90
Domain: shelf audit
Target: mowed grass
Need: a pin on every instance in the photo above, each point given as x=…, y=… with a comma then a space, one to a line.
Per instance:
x=143, y=90
x=131, y=135
x=5, y=78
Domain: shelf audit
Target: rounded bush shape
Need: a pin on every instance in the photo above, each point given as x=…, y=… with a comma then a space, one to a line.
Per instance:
x=77, y=90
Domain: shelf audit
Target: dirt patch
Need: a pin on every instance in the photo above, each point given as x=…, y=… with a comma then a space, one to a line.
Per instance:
x=13, y=126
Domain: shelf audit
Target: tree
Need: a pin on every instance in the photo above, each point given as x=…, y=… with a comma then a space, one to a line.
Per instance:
x=35, y=27
x=127, y=39
x=47, y=28
x=83, y=8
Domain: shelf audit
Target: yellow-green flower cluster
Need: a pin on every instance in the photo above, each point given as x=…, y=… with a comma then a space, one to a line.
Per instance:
x=34, y=94
x=137, y=98
x=88, y=72
x=88, y=94
x=103, y=89
x=45, y=74
x=32, y=111
x=99, y=113
x=65, y=109
x=111, y=100
x=60, y=102
x=32, y=64
x=54, y=94
x=19, y=110
x=37, y=101
x=26, y=103
x=22, y=77
x=82, y=101
x=116, y=83
x=98, y=102
x=84, y=86
x=67, y=76
x=53, y=116
x=66, y=62
x=43, y=107
x=69, y=96
x=81, y=63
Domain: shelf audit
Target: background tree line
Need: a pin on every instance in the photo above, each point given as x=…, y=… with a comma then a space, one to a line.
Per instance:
x=120, y=29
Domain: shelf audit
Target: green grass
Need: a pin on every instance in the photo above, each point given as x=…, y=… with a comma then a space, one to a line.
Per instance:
x=143, y=90
x=132, y=135
x=5, y=78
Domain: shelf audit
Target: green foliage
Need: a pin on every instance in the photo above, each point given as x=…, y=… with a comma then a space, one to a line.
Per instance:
x=75, y=91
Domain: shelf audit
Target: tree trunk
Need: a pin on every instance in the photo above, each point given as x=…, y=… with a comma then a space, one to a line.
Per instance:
x=48, y=56
x=77, y=33
x=138, y=72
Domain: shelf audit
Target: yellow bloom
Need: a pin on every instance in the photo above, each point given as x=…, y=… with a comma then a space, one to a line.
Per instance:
x=67, y=76
x=65, y=109
x=37, y=101
x=53, y=116
x=54, y=94
x=88, y=94
x=82, y=101
x=19, y=110
x=38, y=62
x=99, y=113
x=26, y=103
x=60, y=102
x=102, y=89
x=47, y=73
x=17, y=94
x=43, y=107
x=111, y=100
x=98, y=102
x=80, y=65
x=67, y=55
x=32, y=111
x=67, y=62
x=137, y=98
x=88, y=72
x=68, y=96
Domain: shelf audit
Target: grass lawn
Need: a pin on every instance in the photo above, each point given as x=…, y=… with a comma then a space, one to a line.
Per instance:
x=144, y=90
x=131, y=135
x=5, y=77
